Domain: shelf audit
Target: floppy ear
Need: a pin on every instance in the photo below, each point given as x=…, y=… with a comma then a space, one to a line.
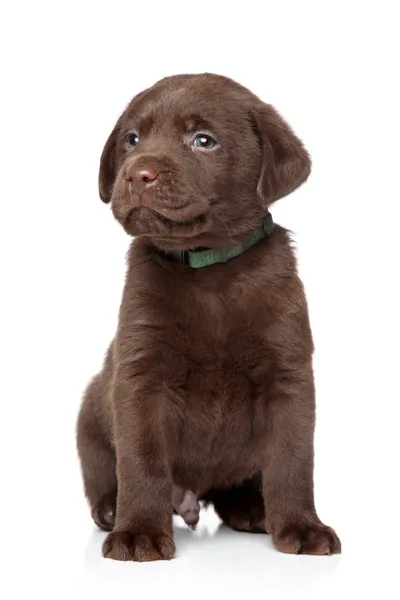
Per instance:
x=108, y=164
x=285, y=162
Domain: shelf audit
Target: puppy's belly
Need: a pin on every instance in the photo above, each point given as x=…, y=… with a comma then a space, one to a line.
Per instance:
x=218, y=436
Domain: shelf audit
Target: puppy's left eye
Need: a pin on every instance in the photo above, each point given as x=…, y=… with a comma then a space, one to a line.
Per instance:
x=204, y=141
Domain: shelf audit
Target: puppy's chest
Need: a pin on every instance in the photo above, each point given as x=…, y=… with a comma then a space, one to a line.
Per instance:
x=221, y=405
x=218, y=346
x=226, y=363
x=211, y=351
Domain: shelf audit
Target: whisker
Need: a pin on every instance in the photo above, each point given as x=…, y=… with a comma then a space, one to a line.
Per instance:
x=224, y=224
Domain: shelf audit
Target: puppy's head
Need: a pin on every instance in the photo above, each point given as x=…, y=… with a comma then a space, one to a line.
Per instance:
x=195, y=160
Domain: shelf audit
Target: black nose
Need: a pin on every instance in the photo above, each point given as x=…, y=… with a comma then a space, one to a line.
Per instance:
x=141, y=177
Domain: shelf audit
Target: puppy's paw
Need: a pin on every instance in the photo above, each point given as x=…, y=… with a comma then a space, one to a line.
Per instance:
x=103, y=513
x=317, y=539
x=124, y=545
x=245, y=521
x=118, y=545
x=240, y=507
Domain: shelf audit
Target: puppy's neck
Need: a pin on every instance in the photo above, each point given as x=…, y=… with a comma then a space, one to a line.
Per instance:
x=200, y=258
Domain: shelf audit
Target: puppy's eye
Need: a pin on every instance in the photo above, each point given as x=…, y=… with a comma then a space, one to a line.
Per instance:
x=132, y=140
x=204, y=141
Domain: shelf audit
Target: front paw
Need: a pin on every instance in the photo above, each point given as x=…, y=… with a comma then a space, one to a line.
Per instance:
x=126, y=545
x=317, y=539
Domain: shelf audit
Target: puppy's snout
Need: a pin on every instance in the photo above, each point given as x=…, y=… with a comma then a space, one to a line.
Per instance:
x=142, y=177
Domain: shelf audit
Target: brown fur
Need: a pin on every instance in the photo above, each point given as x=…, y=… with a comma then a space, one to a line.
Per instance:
x=208, y=384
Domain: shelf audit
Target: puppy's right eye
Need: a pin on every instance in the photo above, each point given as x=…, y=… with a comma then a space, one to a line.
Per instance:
x=132, y=140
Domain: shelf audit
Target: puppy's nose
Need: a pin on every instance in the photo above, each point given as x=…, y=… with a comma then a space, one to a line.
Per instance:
x=142, y=177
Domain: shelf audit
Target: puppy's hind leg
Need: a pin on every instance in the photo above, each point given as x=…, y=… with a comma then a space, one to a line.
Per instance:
x=240, y=507
x=97, y=458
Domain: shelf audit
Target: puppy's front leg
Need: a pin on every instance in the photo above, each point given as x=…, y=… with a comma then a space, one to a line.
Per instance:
x=287, y=475
x=143, y=528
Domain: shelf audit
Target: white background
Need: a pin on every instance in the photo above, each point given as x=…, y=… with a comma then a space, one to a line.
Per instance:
x=67, y=71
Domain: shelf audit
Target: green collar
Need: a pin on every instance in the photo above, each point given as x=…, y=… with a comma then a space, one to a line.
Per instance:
x=197, y=259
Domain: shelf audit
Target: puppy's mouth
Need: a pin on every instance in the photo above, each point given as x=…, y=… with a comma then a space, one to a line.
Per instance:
x=144, y=220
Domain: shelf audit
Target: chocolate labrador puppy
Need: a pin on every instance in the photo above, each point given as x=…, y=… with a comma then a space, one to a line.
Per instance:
x=207, y=390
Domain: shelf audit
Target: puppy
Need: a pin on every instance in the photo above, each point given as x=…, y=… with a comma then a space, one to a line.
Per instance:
x=207, y=390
